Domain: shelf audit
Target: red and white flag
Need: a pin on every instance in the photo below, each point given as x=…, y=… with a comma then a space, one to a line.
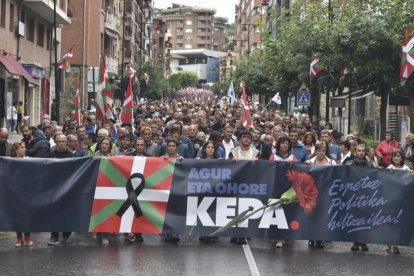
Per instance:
x=407, y=56
x=77, y=106
x=104, y=98
x=127, y=113
x=246, y=120
x=66, y=60
x=314, y=68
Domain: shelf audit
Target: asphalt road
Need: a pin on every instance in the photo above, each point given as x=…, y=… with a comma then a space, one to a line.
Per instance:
x=190, y=257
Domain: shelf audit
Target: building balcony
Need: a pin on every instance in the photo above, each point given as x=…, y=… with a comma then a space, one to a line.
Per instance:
x=44, y=8
x=204, y=17
x=112, y=22
x=112, y=64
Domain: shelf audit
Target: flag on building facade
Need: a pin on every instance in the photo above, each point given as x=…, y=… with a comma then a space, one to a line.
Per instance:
x=246, y=120
x=314, y=67
x=104, y=98
x=230, y=94
x=407, y=56
x=123, y=179
x=127, y=113
x=276, y=98
x=66, y=60
x=77, y=106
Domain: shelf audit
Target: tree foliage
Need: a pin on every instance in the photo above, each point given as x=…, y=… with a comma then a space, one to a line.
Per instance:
x=183, y=79
x=157, y=84
x=361, y=36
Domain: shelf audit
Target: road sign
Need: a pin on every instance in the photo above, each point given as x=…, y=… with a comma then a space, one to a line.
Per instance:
x=303, y=98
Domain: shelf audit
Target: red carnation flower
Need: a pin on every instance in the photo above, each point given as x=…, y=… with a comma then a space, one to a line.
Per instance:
x=305, y=189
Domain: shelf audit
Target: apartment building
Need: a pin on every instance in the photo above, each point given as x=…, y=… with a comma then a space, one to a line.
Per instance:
x=96, y=30
x=188, y=27
x=249, y=20
x=26, y=45
x=219, y=33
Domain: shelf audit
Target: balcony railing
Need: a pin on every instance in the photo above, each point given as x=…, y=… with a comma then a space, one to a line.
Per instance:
x=112, y=64
x=112, y=22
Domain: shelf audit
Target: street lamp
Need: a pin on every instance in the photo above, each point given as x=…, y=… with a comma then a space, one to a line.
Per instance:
x=241, y=44
x=247, y=28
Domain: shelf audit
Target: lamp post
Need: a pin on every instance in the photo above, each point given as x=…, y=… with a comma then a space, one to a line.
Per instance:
x=265, y=3
x=241, y=44
x=247, y=28
x=57, y=72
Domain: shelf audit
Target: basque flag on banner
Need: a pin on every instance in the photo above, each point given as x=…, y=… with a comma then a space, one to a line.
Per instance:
x=131, y=195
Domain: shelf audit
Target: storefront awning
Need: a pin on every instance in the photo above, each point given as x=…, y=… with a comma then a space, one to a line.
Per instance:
x=15, y=68
x=9, y=67
x=20, y=69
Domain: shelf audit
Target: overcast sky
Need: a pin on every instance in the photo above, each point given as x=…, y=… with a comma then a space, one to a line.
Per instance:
x=224, y=8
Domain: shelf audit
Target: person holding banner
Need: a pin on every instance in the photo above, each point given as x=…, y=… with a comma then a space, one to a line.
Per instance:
x=172, y=155
x=208, y=151
x=18, y=150
x=321, y=149
x=244, y=151
x=105, y=150
x=358, y=159
x=397, y=163
x=283, y=153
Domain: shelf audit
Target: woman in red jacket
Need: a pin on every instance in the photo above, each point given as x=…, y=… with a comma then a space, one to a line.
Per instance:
x=385, y=149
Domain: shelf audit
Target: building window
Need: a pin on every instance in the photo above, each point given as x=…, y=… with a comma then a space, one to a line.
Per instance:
x=189, y=23
x=3, y=14
x=41, y=35
x=31, y=29
x=48, y=39
x=23, y=16
x=188, y=46
x=11, y=18
x=188, y=31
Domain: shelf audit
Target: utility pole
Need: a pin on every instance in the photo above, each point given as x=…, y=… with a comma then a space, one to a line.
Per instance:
x=57, y=77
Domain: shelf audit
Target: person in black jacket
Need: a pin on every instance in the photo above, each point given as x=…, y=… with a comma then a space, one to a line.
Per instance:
x=359, y=159
x=60, y=151
x=36, y=142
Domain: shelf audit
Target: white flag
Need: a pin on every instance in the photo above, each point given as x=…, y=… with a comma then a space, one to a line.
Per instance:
x=276, y=98
x=231, y=94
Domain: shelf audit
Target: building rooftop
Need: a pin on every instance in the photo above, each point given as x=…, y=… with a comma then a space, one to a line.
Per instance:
x=198, y=52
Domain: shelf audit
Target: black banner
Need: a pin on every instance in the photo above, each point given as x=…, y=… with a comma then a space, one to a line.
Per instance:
x=343, y=203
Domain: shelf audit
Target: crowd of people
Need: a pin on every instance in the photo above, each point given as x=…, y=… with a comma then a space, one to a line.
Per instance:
x=195, y=126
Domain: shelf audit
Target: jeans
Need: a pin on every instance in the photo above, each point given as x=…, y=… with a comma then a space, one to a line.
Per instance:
x=12, y=125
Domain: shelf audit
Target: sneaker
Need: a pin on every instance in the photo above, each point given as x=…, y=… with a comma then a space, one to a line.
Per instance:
x=242, y=241
x=395, y=250
x=19, y=243
x=279, y=244
x=53, y=241
x=139, y=238
x=66, y=240
x=130, y=238
x=172, y=239
x=28, y=241
x=105, y=241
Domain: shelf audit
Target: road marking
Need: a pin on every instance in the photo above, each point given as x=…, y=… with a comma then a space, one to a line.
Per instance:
x=250, y=260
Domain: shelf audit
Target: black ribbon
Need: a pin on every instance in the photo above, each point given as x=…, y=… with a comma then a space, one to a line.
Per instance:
x=133, y=194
